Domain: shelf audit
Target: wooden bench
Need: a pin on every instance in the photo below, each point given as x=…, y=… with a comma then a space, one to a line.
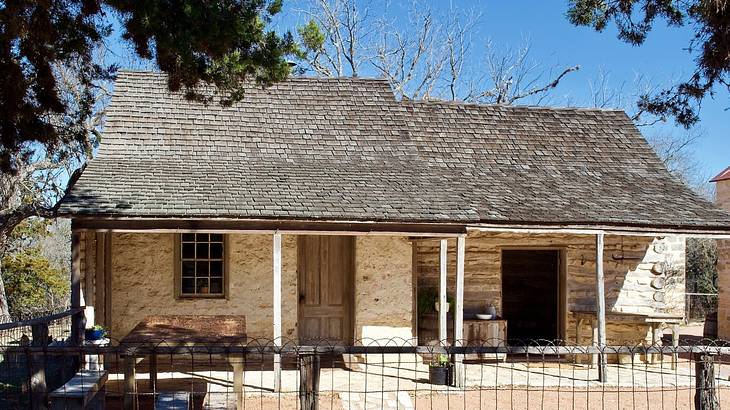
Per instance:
x=177, y=400
x=84, y=391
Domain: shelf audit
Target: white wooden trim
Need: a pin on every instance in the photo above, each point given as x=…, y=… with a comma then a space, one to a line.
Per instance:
x=547, y=229
x=285, y=232
x=443, y=305
x=600, y=305
x=277, y=308
x=459, y=313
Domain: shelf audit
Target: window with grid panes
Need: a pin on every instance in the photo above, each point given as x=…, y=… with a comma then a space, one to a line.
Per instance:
x=202, y=266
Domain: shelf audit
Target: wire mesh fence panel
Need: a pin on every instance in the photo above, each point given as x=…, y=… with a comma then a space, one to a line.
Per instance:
x=371, y=374
x=699, y=305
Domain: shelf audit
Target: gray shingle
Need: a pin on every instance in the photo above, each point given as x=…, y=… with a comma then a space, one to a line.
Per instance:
x=346, y=149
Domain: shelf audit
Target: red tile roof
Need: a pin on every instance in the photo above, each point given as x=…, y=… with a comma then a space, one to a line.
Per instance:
x=722, y=176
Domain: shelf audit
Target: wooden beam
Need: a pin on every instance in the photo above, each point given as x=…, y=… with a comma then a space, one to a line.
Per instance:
x=78, y=324
x=459, y=369
x=601, y=306
x=277, y=309
x=443, y=304
x=297, y=227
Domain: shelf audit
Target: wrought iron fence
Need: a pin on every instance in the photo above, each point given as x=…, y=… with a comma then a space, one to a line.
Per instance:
x=390, y=374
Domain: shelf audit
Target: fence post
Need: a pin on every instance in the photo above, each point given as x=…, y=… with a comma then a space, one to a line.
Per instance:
x=37, y=364
x=705, y=393
x=309, y=381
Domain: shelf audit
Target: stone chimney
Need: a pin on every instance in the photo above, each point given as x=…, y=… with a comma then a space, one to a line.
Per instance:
x=722, y=199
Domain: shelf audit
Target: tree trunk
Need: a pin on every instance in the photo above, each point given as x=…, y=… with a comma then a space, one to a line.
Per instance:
x=4, y=310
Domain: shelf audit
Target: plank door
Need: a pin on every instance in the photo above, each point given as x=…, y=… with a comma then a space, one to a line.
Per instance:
x=325, y=267
x=531, y=294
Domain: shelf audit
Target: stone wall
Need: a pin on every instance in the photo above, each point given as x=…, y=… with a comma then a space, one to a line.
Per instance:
x=383, y=288
x=722, y=198
x=628, y=274
x=143, y=282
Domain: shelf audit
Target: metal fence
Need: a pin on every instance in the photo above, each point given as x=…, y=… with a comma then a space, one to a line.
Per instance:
x=18, y=330
x=388, y=374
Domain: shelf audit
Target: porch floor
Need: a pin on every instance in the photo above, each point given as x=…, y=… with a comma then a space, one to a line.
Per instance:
x=394, y=383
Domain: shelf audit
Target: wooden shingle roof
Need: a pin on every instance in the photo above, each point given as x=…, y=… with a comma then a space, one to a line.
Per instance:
x=346, y=150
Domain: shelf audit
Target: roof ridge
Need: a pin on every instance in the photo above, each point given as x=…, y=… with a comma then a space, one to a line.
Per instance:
x=509, y=106
x=137, y=72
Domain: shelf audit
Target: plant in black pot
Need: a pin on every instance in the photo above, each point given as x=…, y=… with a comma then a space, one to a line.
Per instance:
x=95, y=333
x=440, y=370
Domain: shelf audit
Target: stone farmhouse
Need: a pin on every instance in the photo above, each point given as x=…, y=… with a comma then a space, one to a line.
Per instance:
x=327, y=208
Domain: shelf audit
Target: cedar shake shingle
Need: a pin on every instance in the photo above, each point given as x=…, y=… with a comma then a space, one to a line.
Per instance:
x=346, y=149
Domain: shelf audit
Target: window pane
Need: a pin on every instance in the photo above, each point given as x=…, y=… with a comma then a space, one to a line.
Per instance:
x=201, y=251
x=188, y=268
x=201, y=237
x=188, y=250
x=201, y=285
x=216, y=285
x=201, y=269
x=216, y=250
x=188, y=285
x=201, y=264
x=216, y=268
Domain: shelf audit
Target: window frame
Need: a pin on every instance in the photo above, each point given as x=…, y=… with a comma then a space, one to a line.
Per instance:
x=178, y=269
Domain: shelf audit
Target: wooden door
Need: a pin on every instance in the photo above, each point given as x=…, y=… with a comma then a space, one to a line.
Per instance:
x=325, y=266
x=530, y=294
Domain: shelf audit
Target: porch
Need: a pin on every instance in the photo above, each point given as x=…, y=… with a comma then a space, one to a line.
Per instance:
x=360, y=283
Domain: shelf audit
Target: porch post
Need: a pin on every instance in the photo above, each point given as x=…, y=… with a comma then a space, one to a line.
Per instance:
x=277, y=309
x=442, y=290
x=459, y=313
x=78, y=321
x=600, y=307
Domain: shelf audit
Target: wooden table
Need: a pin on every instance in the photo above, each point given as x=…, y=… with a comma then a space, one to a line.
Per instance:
x=160, y=334
x=654, y=321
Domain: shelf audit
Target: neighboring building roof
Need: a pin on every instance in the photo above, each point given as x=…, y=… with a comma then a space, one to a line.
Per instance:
x=346, y=150
x=722, y=176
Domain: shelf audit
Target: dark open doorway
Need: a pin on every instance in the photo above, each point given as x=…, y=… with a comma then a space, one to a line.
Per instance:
x=531, y=294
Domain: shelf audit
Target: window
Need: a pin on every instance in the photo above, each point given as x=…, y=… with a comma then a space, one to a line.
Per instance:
x=201, y=265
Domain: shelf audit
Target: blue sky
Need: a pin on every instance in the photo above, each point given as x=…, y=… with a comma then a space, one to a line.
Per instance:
x=662, y=59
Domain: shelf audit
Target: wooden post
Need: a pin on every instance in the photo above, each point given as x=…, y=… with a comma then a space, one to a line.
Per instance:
x=309, y=366
x=600, y=307
x=78, y=321
x=459, y=370
x=705, y=392
x=277, y=309
x=130, y=383
x=443, y=305
x=37, y=360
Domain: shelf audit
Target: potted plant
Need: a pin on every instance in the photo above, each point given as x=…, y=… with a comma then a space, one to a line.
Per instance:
x=440, y=370
x=428, y=301
x=95, y=333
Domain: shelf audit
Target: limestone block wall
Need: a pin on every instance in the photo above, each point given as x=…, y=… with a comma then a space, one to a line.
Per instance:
x=722, y=194
x=143, y=282
x=631, y=267
x=383, y=287
x=723, y=281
